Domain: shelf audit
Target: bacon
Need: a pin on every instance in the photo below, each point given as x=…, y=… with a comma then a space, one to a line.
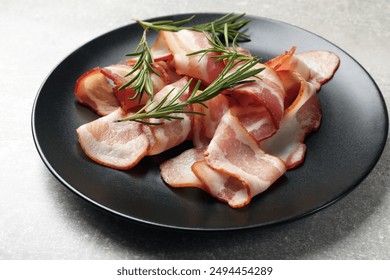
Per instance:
x=301, y=118
x=234, y=152
x=119, y=145
x=94, y=91
x=316, y=67
x=266, y=91
x=204, y=126
x=256, y=120
x=222, y=186
x=292, y=85
x=160, y=50
x=180, y=44
x=302, y=75
x=282, y=60
x=173, y=132
x=170, y=75
x=118, y=74
x=177, y=171
x=244, y=139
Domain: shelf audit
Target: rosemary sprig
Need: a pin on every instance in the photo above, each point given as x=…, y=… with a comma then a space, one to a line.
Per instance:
x=232, y=22
x=220, y=50
x=169, y=110
x=228, y=25
x=141, y=81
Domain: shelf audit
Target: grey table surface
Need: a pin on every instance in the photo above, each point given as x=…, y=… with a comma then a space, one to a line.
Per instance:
x=41, y=219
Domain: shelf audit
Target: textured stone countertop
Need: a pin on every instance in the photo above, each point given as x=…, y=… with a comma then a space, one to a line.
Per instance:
x=41, y=219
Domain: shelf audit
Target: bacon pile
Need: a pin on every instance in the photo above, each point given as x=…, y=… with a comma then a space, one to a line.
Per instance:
x=247, y=139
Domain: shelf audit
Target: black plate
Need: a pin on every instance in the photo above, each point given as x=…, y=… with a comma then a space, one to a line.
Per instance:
x=339, y=156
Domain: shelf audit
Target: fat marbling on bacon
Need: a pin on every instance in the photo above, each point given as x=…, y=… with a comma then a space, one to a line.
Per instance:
x=94, y=91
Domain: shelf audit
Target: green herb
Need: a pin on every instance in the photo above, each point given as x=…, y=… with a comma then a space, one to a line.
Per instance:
x=221, y=51
x=233, y=23
x=168, y=110
x=141, y=82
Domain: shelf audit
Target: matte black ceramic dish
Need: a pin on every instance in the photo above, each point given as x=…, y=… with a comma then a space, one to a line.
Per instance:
x=339, y=156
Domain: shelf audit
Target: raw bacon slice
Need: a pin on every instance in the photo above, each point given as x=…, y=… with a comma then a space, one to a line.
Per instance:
x=173, y=132
x=265, y=91
x=316, y=67
x=159, y=50
x=234, y=152
x=204, y=126
x=117, y=73
x=292, y=85
x=177, y=171
x=256, y=120
x=94, y=91
x=302, y=117
x=221, y=186
x=119, y=145
x=170, y=75
x=181, y=43
x=280, y=61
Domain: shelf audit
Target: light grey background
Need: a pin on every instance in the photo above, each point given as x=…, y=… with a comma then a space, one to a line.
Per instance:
x=41, y=219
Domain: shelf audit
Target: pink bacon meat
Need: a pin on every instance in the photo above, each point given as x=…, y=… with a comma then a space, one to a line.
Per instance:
x=119, y=145
x=94, y=91
x=174, y=132
x=234, y=152
x=204, y=126
x=186, y=41
x=222, y=186
x=300, y=118
x=316, y=67
x=302, y=76
x=177, y=172
x=266, y=91
x=117, y=73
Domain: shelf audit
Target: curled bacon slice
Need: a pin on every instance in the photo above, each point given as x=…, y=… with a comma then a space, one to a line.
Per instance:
x=119, y=145
x=180, y=44
x=302, y=75
x=118, y=74
x=160, y=50
x=234, y=152
x=256, y=120
x=204, y=126
x=316, y=67
x=266, y=91
x=222, y=186
x=94, y=91
x=177, y=171
x=174, y=132
x=301, y=117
